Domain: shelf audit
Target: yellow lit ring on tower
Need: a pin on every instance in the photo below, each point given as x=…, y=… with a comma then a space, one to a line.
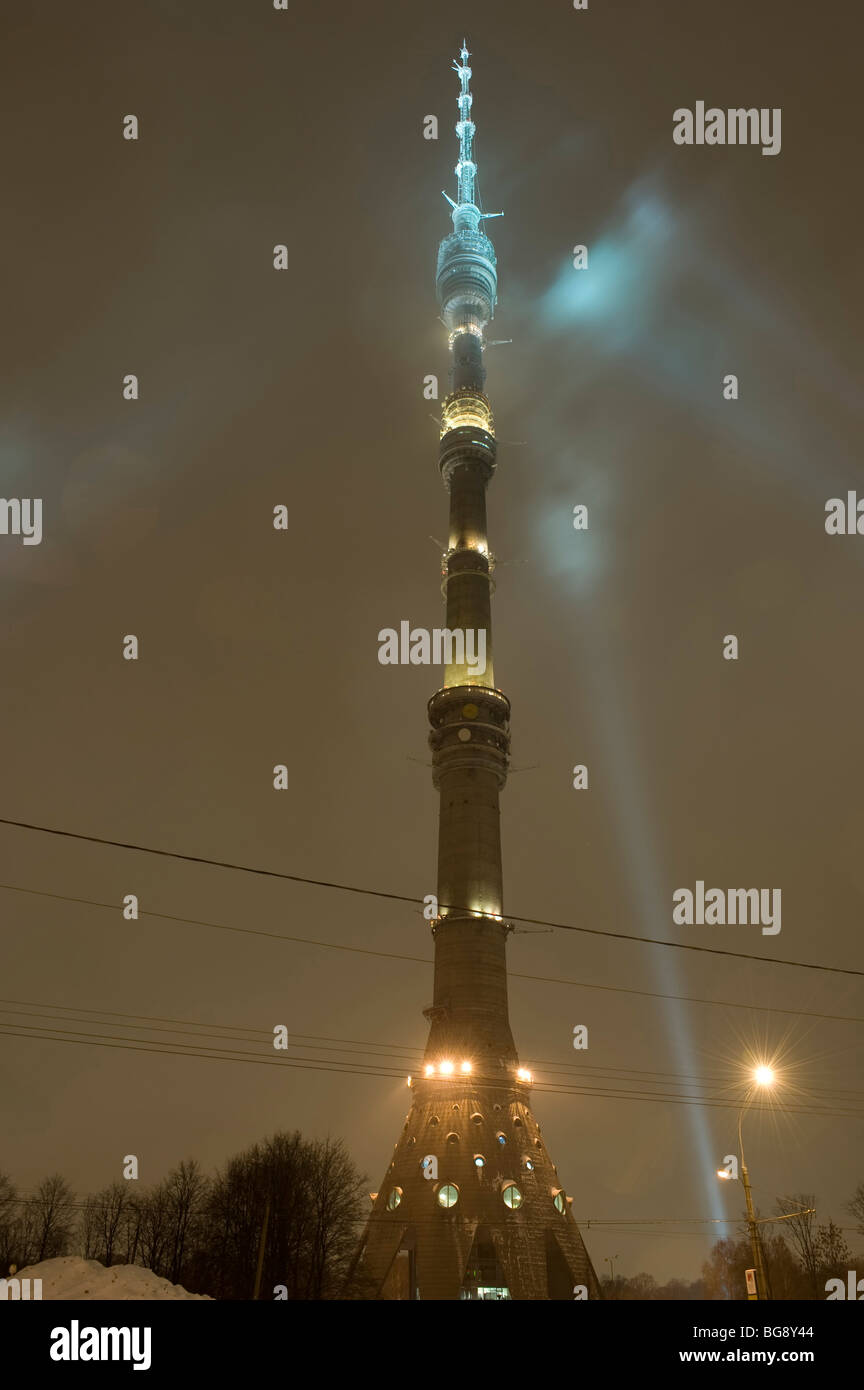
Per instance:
x=466, y=409
x=469, y=327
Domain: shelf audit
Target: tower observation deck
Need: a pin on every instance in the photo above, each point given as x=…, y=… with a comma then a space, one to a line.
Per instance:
x=471, y=1205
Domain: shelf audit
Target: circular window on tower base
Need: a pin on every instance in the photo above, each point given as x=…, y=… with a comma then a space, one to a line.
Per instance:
x=512, y=1196
x=394, y=1199
x=448, y=1195
x=559, y=1202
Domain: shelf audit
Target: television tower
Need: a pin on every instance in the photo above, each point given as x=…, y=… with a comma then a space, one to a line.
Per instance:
x=471, y=1205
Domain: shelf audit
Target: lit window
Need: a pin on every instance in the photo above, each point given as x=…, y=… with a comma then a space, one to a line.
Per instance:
x=394, y=1199
x=502, y=1138
x=448, y=1195
x=479, y=1161
x=512, y=1196
x=558, y=1201
x=529, y=1165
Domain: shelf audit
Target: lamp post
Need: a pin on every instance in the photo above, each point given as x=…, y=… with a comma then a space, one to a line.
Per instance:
x=762, y=1076
x=755, y=1242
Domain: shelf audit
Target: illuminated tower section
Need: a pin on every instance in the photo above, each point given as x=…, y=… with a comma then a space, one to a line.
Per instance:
x=471, y=1206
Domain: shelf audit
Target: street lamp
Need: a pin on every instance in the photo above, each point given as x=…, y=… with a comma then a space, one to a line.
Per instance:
x=762, y=1076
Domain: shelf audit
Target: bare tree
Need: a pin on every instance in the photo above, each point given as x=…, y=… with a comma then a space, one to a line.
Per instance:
x=309, y=1195
x=833, y=1256
x=784, y=1275
x=52, y=1218
x=88, y=1229
x=335, y=1189
x=129, y=1233
x=8, y=1222
x=101, y=1223
x=186, y=1189
x=855, y=1207
x=154, y=1228
x=801, y=1230
x=723, y=1272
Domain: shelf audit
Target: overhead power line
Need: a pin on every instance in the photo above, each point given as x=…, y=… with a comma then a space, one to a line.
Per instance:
x=407, y=1054
x=217, y=1054
x=427, y=960
x=404, y=898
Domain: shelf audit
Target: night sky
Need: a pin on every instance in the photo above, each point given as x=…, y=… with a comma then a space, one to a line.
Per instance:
x=259, y=647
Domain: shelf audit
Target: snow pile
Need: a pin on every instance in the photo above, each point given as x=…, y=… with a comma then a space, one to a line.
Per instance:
x=70, y=1277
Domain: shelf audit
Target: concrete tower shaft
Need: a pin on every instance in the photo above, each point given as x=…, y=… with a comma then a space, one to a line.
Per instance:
x=467, y=565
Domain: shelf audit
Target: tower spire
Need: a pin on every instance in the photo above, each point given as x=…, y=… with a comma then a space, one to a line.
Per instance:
x=466, y=169
x=466, y=210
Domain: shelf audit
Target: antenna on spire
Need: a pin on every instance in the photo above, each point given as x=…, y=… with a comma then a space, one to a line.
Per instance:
x=466, y=168
x=466, y=213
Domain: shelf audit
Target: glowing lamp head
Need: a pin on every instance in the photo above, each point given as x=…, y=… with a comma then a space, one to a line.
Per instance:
x=428, y=1070
x=721, y=1173
x=763, y=1076
x=465, y=1068
x=446, y=1068
x=523, y=1074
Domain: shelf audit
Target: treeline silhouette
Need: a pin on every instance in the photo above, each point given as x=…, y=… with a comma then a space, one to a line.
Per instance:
x=298, y=1205
x=799, y=1254
x=206, y=1233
